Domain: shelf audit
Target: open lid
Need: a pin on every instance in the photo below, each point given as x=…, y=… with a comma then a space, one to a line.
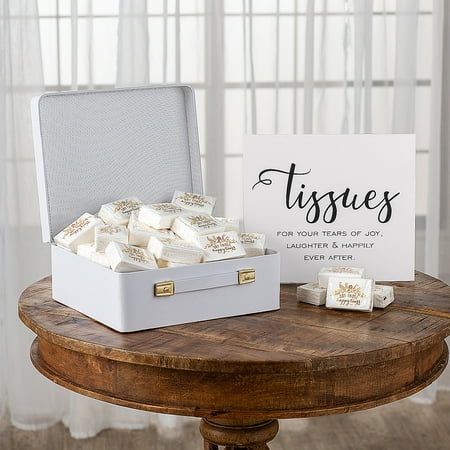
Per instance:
x=94, y=147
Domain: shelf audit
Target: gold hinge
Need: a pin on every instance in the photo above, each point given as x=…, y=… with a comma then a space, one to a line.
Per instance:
x=164, y=289
x=246, y=276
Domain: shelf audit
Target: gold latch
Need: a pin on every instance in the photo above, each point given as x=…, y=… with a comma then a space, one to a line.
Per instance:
x=246, y=276
x=164, y=289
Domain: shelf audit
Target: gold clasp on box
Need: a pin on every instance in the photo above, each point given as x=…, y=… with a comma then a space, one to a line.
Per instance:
x=164, y=289
x=246, y=276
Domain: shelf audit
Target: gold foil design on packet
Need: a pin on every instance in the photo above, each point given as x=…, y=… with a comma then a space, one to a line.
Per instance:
x=126, y=206
x=221, y=244
x=202, y=221
x=76, y=226
x=110, y=229
x=248, y=238
x=348, y=294
x=167, y=208
x=136, y=254
x=190, y=199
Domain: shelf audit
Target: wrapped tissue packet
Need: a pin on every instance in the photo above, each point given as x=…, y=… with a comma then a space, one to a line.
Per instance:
x=194, y=202
x=104, y=234
x=159, y=215
x=175, y=250
x=191, y=227
x=79, y=232
x=382, y=296
x=139, y=234
x=253, y=243
x=350, y=293
x=127, y=258
x=311, y=293
x=119, y=211
x=219, y=246
x=347, y=272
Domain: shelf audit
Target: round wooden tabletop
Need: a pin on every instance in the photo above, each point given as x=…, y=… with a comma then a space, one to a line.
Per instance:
x=249, y=371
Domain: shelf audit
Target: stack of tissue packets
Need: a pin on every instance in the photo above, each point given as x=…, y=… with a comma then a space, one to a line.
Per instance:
x=119, y=211
x=194, y=202
x=104, y=234
x=312, y=293
x=253, y=243
x=82, y=231
x=127, y=258
x=127, y=235
x=139, y=233
x=159, y=215
x=88, y=251
x=174, y=250
x=191, y=227
x=345, y=288
x=330, y=272
x=229, y=224
x=217, y=246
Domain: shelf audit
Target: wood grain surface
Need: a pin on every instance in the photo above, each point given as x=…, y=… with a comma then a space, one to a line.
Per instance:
x=299, y=361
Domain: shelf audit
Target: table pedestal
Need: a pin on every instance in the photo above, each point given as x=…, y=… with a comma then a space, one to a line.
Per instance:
x=236, y=435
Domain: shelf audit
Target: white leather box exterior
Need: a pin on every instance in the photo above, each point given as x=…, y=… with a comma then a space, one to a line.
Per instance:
x=83, y=142
x=126, y=301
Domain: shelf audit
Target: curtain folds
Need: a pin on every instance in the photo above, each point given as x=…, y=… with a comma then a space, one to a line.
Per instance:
x=33, y=402
x=133, y=44
x=330, y=67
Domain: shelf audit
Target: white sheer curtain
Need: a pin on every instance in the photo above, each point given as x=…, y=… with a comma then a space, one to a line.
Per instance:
x=329, y=66
x=33, y=401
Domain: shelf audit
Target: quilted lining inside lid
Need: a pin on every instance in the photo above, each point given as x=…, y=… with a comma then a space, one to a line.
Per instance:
x=100, y=146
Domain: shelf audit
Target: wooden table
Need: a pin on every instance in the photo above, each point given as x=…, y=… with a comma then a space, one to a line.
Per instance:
x=242, y=374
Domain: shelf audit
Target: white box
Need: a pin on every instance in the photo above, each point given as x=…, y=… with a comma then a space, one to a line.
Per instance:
x=93, y=147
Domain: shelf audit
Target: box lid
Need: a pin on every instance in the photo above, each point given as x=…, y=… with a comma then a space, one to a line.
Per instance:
x=93, y=147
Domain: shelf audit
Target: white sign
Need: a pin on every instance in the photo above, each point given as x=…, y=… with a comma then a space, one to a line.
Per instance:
x=334, y=200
